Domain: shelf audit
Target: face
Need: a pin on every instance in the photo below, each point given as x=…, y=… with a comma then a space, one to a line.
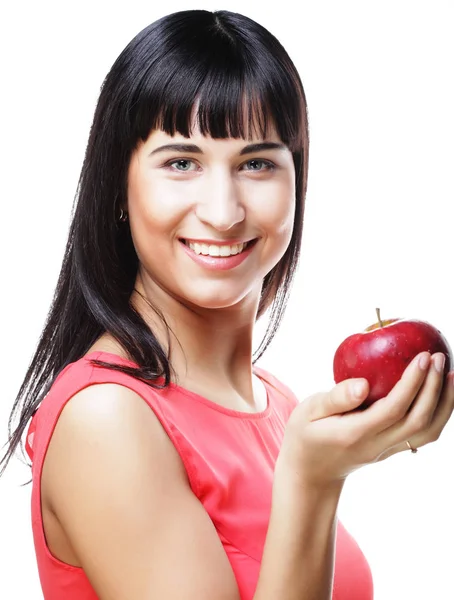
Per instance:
x=210, y=218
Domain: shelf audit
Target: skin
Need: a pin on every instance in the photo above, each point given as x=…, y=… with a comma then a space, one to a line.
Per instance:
x=216, y=194
x=115, y=495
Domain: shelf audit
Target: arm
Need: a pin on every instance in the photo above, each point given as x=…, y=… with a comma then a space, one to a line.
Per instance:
x=298, y=558
x=325, y=440
x=120, y=491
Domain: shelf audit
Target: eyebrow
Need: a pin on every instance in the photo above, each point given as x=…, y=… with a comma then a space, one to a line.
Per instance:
x=192, y=148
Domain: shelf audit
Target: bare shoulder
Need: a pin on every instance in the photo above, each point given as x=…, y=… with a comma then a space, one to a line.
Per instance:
x=109, y=416
x=120, y=492
x=101, y=431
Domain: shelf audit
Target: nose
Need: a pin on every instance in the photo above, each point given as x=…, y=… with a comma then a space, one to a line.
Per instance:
x=220, y=204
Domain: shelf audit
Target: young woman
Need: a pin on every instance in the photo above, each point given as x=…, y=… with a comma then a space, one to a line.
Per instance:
x=165, y=464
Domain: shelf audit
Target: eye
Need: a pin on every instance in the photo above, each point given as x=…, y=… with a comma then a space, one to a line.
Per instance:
x=258, y=165
x=183, y=165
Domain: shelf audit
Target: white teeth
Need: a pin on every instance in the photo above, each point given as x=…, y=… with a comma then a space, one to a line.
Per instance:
x=213, y=250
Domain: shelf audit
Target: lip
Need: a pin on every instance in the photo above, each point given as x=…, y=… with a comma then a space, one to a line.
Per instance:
x=219, y=263
x=216, y=242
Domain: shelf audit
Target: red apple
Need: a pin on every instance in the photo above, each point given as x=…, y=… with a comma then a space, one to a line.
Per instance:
x=381, y=353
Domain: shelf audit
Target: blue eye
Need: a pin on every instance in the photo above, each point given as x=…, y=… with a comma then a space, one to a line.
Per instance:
x=258, y=165
x=182, y=164
x=255, y=165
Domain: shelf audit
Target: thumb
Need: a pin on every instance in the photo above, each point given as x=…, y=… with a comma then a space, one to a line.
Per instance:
x=343, y=397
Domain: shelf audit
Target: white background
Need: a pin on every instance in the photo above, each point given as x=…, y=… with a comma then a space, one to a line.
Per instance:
x=378, y=229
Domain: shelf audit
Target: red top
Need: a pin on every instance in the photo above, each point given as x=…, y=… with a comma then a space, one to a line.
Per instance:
x=229, y=457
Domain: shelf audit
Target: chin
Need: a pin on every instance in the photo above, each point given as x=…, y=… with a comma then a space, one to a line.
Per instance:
x=221, y=299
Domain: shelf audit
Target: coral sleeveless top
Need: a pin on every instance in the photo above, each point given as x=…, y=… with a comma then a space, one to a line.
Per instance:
x=229, y=457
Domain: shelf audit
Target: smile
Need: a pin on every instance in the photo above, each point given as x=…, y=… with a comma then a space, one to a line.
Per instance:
x=217, y=249
x=218, y=257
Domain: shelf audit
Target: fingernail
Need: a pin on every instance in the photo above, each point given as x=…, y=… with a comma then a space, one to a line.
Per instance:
x=424, y=361
x=439, y=362
x=358, y=388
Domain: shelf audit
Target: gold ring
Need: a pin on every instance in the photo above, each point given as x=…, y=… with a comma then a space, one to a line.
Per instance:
x=410, y=447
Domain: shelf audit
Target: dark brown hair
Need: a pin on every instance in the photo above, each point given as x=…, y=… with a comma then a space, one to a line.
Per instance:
x=239, y=74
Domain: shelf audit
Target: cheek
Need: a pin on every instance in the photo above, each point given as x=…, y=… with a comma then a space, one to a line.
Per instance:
x=155, y=206
x=276, y=212
x=276, y=215
x=283, y=230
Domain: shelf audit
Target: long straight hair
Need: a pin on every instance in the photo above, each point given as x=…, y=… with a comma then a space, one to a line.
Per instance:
x=239, y=79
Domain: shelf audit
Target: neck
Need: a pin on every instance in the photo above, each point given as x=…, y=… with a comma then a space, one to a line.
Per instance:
x=212, y=346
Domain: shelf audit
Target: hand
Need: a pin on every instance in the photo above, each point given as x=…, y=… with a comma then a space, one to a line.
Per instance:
x=326, y=438
x=440, y=415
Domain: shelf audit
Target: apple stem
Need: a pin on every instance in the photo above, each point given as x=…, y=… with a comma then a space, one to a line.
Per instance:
x=377, y=310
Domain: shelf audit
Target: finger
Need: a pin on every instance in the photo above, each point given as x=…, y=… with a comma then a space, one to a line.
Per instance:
x=442, y=414
x=343, y=397
x=419, y=418
x=390, y=410
x=387, y=411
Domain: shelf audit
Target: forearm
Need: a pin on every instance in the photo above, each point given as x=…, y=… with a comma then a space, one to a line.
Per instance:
x=298, y=558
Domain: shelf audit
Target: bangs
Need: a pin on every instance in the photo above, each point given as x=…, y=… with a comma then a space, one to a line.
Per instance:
x=223, y=90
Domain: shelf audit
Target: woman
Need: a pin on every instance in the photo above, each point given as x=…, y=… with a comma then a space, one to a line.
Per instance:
x=187, y=229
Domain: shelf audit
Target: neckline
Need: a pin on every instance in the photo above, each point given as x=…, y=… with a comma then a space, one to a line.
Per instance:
x=198, y=397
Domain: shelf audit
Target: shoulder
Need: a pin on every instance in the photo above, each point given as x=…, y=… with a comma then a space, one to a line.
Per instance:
x=104, y=429
x=108, y=414
x=82, y=381
x=102, y=405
